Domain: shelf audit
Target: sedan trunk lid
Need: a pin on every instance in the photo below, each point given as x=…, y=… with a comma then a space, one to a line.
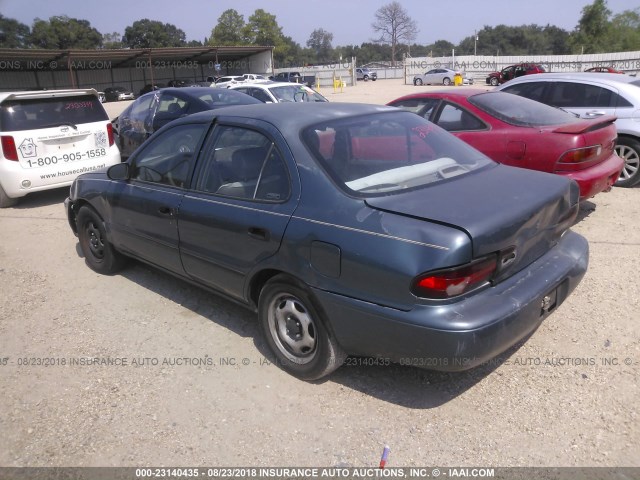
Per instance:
x=499, y=207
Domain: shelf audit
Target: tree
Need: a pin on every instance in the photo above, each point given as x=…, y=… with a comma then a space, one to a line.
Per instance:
x=147, y=33
x=229, y=30
x=13, y=34
x=320, y=42
x=394, y=25
x=64, y=33
x=112, y=40
x=592, y=31
x=625, y=32
x=262, y=29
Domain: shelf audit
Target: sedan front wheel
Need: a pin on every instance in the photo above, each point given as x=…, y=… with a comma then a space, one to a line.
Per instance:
x=446, y=81
x=629, y=150
x=98, y=252
x=296, y=330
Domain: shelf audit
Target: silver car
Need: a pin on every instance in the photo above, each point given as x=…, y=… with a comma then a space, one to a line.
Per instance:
x=591, y=95
x=440, y=76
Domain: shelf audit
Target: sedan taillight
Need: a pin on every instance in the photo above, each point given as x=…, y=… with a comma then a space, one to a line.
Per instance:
x=578, y=158
x=9, y=148
x=442, y=284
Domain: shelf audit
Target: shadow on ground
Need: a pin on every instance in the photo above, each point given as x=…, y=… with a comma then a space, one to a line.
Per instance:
x=397, y=384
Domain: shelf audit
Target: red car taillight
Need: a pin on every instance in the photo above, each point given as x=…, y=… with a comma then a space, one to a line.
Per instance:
x=578, y=158
x=441, y=284
x=9, y=148
x=110, y=134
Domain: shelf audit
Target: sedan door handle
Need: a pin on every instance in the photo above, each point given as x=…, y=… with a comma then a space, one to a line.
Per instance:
x=595, y=113
x=168, y=211
x=258, y=233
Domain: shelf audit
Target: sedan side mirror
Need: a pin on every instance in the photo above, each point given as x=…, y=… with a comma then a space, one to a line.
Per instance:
x=119, y=171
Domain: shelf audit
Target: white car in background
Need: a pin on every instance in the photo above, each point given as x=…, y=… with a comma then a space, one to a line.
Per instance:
x=226, y=82
x=279, y=92
x=591, y=95
x=50, y=137
x=440, y=76
x=254, y=77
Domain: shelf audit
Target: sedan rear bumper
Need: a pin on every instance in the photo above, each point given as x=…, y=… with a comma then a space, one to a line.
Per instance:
x=598, y=178
x=461, y=335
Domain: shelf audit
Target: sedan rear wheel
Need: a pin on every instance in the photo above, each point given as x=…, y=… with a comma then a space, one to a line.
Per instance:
x=296, y=330
x=629, y=150
x=446, y=81
x=417, y=82
x=98, y=252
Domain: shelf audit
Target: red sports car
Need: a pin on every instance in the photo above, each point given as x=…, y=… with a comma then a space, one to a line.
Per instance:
x=604, y=70
x=524, y=133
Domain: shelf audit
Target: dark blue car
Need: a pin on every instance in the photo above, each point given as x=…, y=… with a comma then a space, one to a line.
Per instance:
x=155, y=109
x=351, y=229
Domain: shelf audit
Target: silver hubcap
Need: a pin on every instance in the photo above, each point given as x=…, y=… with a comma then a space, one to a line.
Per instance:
x=631, y=161
x=292, y=328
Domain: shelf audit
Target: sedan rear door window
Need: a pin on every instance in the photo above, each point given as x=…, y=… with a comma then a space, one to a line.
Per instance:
x=245, y=164
x=581, y=95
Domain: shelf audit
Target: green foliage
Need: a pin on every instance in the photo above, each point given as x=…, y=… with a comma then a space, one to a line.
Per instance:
x=522, y=40
x=263, y=29
x=13, y=34
x=112, y=40
x=593, y=29
x=229, y=30
x=147, y=33
x=624, y=34
x=64, y=33
x=320, y=43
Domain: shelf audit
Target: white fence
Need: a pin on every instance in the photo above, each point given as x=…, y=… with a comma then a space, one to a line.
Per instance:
x=479, y=66
x=343, y=70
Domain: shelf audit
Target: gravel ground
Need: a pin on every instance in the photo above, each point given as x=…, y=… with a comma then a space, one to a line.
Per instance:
x=193, y=387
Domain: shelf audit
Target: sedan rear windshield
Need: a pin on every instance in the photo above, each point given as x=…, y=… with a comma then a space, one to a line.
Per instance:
x=31, y=114
x=389, y=152
x=296, y=93
x=520, y=111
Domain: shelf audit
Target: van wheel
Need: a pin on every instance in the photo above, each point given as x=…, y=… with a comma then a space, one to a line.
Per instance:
x=98, y=252
x=296, y=330
x=629, y=150
x=6, y=201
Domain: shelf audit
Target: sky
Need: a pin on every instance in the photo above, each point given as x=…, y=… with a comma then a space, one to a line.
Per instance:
x=349, y=20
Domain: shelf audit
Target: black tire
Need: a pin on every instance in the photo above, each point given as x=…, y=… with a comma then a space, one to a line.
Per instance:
x=629, y=150
x=417, y=82
x=99, y=254
x=6, y=201
x=446, y=81
x=366, y=78
x=494, y=81
x=296, y=331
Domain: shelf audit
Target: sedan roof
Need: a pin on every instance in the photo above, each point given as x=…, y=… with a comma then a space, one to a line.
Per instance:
x=590, y=76
x=291, y=117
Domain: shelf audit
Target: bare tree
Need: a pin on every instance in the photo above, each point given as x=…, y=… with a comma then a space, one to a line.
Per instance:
x=394, y=25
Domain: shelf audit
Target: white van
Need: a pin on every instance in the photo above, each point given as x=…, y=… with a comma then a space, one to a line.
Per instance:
x=50, y=137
